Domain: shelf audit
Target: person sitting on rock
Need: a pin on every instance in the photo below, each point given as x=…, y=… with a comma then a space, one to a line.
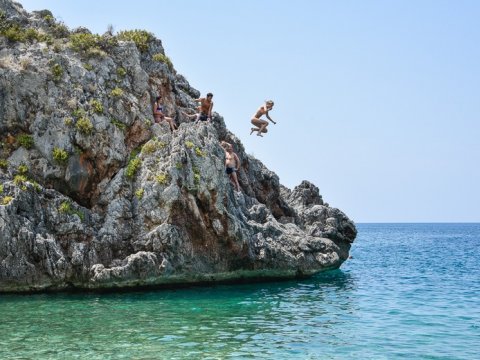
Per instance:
x=232, y=164
x=206, y=106
x=158, y=113
x=261, y=125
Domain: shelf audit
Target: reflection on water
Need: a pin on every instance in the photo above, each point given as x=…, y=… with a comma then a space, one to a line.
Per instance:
x=220, y=321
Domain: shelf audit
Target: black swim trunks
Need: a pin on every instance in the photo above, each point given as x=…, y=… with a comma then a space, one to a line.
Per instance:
x=203, y=117
x=230, y=170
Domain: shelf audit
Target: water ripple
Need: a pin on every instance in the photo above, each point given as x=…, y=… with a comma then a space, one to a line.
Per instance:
x=410, y=291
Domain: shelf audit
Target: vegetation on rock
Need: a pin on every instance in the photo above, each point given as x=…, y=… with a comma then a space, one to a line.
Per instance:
x=59, y=155
x=6, y=200
x=84, y=125
x=141, y=38
x=132, y=167
x=163, y=59
x=26, y=141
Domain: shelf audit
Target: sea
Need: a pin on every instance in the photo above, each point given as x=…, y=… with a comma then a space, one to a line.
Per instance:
x=410, y=291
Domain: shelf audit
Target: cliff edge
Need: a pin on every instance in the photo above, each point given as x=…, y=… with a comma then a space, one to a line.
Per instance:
x=94, y=195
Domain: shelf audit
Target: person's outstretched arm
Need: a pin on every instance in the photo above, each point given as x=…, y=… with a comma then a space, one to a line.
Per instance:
x=269, y=118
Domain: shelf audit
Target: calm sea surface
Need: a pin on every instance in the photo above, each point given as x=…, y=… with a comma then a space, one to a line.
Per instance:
x=411, y=291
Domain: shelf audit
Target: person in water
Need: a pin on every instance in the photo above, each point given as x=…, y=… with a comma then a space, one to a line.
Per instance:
x=261, y=125
x=232, y=164
x=206, y=106
x=159, y=115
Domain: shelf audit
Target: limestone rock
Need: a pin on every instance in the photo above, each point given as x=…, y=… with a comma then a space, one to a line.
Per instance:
x=95, y=195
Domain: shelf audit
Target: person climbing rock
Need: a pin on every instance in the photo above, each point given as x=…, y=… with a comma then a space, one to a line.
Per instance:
x=159, y=115
x=261, y=125
x=232, y=164
x=206, y=106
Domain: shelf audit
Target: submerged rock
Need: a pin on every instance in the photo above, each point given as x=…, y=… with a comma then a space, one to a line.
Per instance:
x=93, y=195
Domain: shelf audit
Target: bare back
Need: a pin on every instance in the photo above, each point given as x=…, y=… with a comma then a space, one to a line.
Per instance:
x=260, y=112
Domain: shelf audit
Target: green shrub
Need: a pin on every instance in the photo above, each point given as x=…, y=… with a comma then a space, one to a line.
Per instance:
x=118, y=124
x=3, y=164
x=84, y=125
x=84, y=42
x=132, y=167
x=162, y=178
x=6, y=200
x=134, y=153
x=68, y=121
x=152, y=146
x=35, y=185
x=179, y=166
x=16, y=33
x=13, y=33
x=60, y=30
x=31, y=34
x=22, y=169
x=108, y=41
x=88, y=67
x=163, y=59
x=196, y=176
x=1, y=188
x=57, y=72
x=139, y=194
x=141, y=38
x=96, y=52
x=49, y=19
x=20, y=180
x=117, y=92
x=96, y=106
x=79, y=113
x=121, y=72
x=189, y=144
x=59, y=155
x=199, y=152
x=196, y=179
x=65, y=207
x=26, y=141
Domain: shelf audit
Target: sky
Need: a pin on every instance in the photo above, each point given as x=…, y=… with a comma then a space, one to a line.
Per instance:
x=376, y=102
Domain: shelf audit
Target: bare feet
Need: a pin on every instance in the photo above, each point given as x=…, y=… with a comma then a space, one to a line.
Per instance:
x=253, y=129
x=259, y=135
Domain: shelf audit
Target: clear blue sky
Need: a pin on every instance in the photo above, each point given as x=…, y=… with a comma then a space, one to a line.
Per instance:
x=377, y=102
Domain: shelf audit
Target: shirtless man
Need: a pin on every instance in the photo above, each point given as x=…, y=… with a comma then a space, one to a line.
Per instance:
x=158, y=114
x=206, y=106
x=261, y=125
x=232, y=164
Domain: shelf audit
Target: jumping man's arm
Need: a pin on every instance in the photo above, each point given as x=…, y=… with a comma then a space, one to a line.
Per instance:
x=269, y=118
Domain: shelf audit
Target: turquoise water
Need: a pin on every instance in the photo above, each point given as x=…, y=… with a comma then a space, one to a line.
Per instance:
x=411, y=291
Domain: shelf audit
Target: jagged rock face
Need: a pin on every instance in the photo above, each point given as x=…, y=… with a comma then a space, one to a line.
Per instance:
x=94, y=195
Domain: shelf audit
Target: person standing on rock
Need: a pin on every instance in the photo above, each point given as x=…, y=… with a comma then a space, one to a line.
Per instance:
x=232, y=164
x=158, y=113
x=261, y=125
x=206, y=106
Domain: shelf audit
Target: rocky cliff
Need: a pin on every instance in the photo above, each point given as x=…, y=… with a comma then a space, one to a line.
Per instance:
x=93, y=194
